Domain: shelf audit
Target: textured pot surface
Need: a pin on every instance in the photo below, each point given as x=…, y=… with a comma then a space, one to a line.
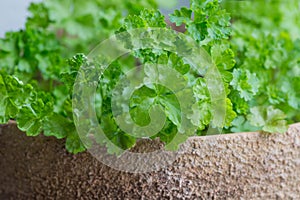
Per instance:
x=235, y=166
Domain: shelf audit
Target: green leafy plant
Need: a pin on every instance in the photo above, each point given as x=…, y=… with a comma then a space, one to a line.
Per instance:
x=260, y=67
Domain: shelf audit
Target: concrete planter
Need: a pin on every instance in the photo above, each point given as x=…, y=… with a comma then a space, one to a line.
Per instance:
x=234, y=166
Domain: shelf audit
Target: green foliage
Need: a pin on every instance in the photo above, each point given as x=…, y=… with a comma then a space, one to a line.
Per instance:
x=83, y=24
x=266, y=80
x=270, y=119
x=31, y=53
x=209, y=23
x=245, y=83
x=258, y=57
x=34, y=111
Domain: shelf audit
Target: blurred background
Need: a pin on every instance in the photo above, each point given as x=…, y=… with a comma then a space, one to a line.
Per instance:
x=13, y=13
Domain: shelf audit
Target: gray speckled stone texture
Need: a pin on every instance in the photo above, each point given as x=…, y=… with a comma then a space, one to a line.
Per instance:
x=234, y=166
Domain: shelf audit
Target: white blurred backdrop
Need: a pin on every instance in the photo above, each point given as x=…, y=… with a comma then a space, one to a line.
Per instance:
x=13, y=14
